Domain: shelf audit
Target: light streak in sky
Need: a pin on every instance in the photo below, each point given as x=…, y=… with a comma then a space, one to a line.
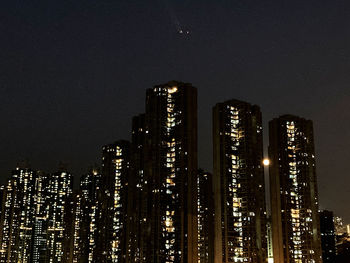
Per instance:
x=174, y=18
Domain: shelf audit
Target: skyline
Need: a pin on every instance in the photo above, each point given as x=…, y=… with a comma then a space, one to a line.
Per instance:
x=98, y=163
x=148, y=204
x=68, y=77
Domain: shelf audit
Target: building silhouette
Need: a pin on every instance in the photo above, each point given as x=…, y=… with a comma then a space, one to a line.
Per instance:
x=60, y=218
x=140, y=206
x=171, y=171
x=205, y=210
x=39, y=251
x=149, y=203
x=17, y=219
x=239, y=191
x=112, y=221
x=293, y=186
x=85, y=210
x=328, y=238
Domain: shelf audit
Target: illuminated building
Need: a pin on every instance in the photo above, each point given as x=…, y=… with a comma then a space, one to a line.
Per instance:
x=71, y=238
x=59, y=222
x=17, y=219
x=239, y=195
x=89, y=186
x=339, y=226
x=79, y=252
x=205, y=210
x=39, y=247
x=327, y=236
x=111, y=240
x=171, y=171
x=138, y=187
x=269, y=241
x=2, y=193
x=293, y=186
x=85, y=215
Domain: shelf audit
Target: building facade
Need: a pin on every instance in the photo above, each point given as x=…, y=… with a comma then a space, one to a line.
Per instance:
x=239, y=188
x=112, y=222
x=205, y=210
x=140, y=205
x=171, y=171
x=86, y=215
x=17, y=218
x=293, y=186
x=328, y=237
x=60, y=217
x=39, y=251
x=85, y=212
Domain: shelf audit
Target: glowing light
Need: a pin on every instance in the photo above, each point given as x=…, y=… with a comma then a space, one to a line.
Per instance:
x=266, y=162
x=172, y=90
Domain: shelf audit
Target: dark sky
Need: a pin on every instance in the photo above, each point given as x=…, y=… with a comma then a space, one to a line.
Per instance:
x=73, y=73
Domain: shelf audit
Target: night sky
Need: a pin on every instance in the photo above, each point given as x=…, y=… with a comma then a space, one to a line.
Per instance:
x=73, y=73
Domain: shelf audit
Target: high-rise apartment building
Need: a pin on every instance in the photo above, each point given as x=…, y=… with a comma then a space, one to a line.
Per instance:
x=78, y=244
x=239, y=195
x=2, y=193
x=90, y=184
x=85, y=217
x=39, y=252
x=293, y=186
x=17, y=219
x=112, y=222
x=139, y=233
x=171, y=172
x=328, y=237
x=205, y=219
x=60, y=191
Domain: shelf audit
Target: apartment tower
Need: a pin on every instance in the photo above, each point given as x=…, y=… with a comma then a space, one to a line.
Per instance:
x=293, y=186
x=238, y=181
x=111, y=240
x=171, y=171
x=328, y=237
x=205, y=210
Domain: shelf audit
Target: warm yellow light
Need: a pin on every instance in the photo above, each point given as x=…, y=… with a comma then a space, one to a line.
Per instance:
x=266, y=162
x=172, y=90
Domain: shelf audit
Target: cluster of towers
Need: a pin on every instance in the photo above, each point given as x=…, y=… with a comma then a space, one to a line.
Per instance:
x=149, y=202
